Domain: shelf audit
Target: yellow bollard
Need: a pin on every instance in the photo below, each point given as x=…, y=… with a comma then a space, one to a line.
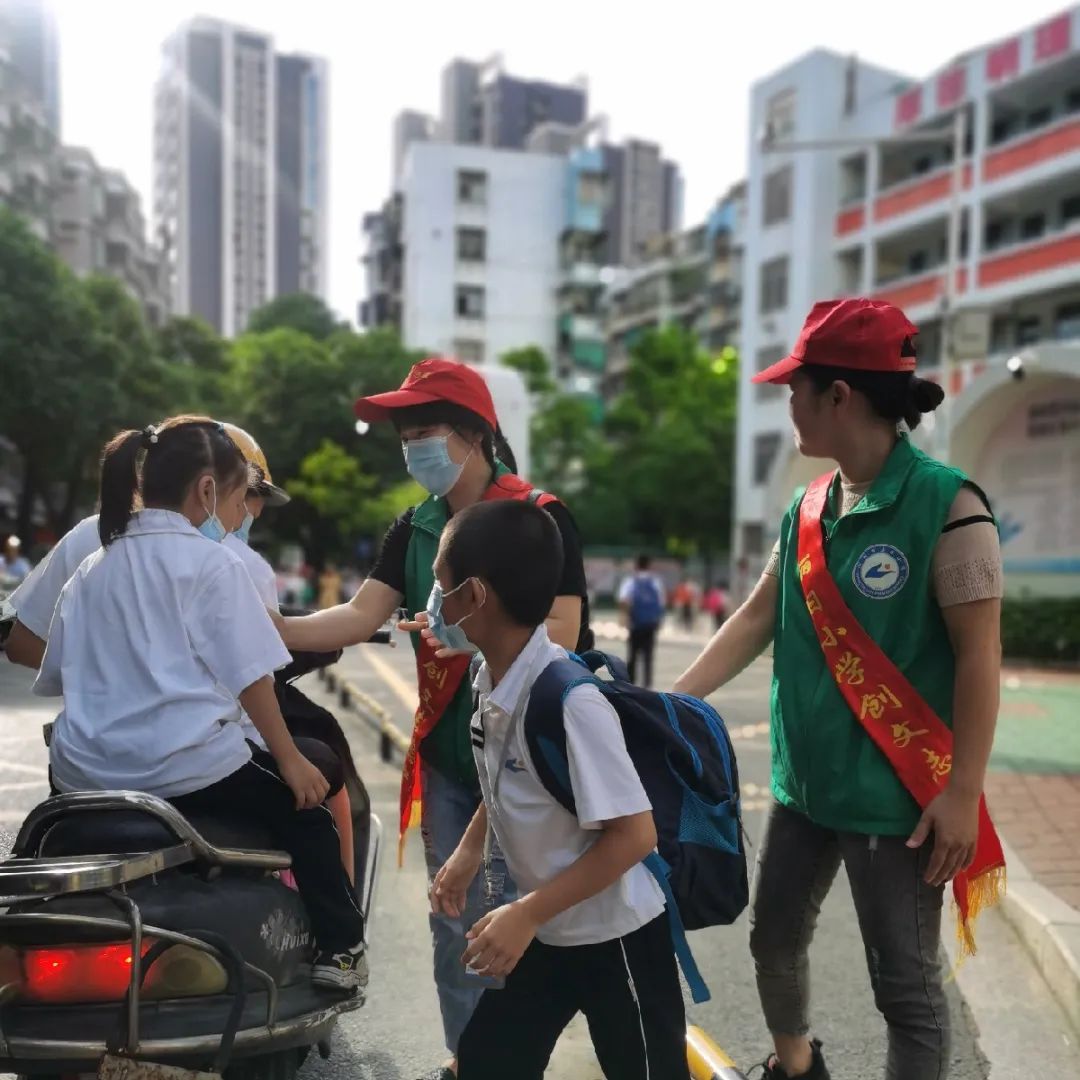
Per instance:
x=707, y=1061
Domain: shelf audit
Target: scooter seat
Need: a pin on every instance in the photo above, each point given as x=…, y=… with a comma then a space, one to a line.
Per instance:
x=108, y=832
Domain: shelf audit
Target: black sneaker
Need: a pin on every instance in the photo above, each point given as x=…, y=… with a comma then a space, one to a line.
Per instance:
x=441, y=1073
x=772, y=1069
x=341, y=971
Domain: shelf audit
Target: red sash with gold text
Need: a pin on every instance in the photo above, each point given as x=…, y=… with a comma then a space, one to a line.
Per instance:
x=901, y=724
x=438, y=680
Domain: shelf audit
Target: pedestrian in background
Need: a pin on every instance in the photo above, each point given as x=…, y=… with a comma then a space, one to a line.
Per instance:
x=684, y=601
x=641, y=598
x=715, y=603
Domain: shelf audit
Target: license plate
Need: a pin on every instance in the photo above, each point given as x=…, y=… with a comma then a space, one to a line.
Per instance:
x=115, y=1067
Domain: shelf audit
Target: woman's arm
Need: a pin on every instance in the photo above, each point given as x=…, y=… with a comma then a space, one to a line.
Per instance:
x=564, y=621
x=953, y=817
x=345, y=624
x=742, y=639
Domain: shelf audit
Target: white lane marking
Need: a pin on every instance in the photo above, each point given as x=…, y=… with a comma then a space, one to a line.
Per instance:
x=403, y=690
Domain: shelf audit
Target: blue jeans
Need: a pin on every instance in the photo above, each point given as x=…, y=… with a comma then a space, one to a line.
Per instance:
x=448, y=808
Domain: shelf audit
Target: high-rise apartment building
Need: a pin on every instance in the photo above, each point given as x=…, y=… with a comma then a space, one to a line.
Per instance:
x=240, y=151
x=33, y=48
x=302, y=182
x=645, y=201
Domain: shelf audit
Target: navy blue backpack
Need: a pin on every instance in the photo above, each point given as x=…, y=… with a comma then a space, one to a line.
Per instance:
x=686, y=762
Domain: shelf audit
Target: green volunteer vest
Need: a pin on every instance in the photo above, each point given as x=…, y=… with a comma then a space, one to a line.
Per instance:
x=824, y=765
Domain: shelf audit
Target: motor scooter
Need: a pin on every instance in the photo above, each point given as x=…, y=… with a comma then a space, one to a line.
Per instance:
x=138, y=943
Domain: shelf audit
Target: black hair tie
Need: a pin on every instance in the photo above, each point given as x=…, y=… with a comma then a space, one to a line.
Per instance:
x=149, y=436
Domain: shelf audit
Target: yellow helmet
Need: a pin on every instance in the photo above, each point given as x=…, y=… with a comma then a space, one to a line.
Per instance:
x=253, y=455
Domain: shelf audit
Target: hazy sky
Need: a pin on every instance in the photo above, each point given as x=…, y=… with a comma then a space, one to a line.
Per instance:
x=677, y=72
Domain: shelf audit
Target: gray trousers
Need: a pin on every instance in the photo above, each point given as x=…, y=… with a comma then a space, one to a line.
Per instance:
x=899, y=918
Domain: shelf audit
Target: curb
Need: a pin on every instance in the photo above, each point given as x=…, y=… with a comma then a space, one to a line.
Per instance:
x=1049, y=928
x=350, y=696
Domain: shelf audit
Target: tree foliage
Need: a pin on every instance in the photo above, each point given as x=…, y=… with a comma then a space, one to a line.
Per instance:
x=296, y=311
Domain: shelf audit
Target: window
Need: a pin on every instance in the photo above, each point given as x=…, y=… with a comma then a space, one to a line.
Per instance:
x=471, y=245
x=780, y=115
x=766, y=358
x=1033, y=226
x=1067, y=322
x=917, y=262
x=469, y=302
x=1072, y=100
x=1040, y=117
x=774, y=284
x=1070, y=209
x=1028, y=330
x=469, y=350
x=753, y=538
x=994, y=235
x=778, y=196
x=766, y=448
x=472, y=187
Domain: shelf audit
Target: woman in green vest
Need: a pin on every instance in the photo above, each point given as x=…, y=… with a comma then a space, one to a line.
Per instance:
x=882, y=601
x=453, y=448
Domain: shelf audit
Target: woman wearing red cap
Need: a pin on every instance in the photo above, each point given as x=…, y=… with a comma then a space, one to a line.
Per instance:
x=454, y=449
x=882, y=601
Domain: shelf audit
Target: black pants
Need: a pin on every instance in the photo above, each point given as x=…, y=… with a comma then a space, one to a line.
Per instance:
x=258, y=793
x=628, y=990
x=642, y=646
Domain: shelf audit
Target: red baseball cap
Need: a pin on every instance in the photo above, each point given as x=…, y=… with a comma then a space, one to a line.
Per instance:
x=435, y=379
x=856, y=333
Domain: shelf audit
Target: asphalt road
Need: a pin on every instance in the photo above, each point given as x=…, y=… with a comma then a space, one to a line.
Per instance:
x=397, y=1035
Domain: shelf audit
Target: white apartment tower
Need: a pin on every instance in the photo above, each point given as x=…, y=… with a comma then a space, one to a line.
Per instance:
x=240, y=171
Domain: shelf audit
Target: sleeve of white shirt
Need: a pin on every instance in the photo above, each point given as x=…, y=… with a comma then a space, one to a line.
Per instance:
x=231, y=630
x=49, y=682
x=626, y=590
x=35, y=599
x=605, y=783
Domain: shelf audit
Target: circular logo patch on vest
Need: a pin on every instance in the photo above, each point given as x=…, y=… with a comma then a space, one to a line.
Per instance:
x=880, y=571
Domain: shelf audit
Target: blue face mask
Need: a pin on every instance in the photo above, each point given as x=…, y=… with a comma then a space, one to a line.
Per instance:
x=245, y=527
x=429, y=464
x=449, y=635
x=212, y=528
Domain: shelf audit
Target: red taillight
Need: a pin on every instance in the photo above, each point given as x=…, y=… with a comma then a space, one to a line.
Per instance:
x=77, y=972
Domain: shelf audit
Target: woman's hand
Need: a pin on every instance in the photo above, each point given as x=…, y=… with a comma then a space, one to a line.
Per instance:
x=953, y=817
x=420, y=624
x=305, y=781
x=453, y=880
x=499, y=940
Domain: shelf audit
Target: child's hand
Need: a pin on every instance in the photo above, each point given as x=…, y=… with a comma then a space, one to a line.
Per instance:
x=305, y=781
x=499, y=940
x=453, y=881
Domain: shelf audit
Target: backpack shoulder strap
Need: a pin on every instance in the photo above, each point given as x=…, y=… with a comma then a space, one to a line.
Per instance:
x=543, y=727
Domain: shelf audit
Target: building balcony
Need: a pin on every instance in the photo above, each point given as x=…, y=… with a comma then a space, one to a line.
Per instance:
x=913, y=195
x=1030, y=150
x=918, y=290
x=1059, y=251
x=582, y=327
x=851, y=219
x=582, y=275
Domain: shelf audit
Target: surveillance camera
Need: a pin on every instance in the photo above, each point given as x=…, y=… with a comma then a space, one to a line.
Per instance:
x=1015, y=366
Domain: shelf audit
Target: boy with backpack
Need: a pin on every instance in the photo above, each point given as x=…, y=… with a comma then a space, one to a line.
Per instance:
x=641, y=598
x=589, y=933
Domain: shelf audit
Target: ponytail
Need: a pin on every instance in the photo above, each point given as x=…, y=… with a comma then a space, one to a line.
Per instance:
x=119, y=483
x=160, y=464
x=501, y=450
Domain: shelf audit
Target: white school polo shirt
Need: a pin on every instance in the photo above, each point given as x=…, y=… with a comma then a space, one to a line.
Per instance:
x=538, y=837
x=261, y=572
x=152, y=642
x=35, y=599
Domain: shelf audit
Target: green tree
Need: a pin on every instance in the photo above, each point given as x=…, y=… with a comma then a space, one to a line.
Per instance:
x=192, y=346
x=296, y=311
x=534, y=367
